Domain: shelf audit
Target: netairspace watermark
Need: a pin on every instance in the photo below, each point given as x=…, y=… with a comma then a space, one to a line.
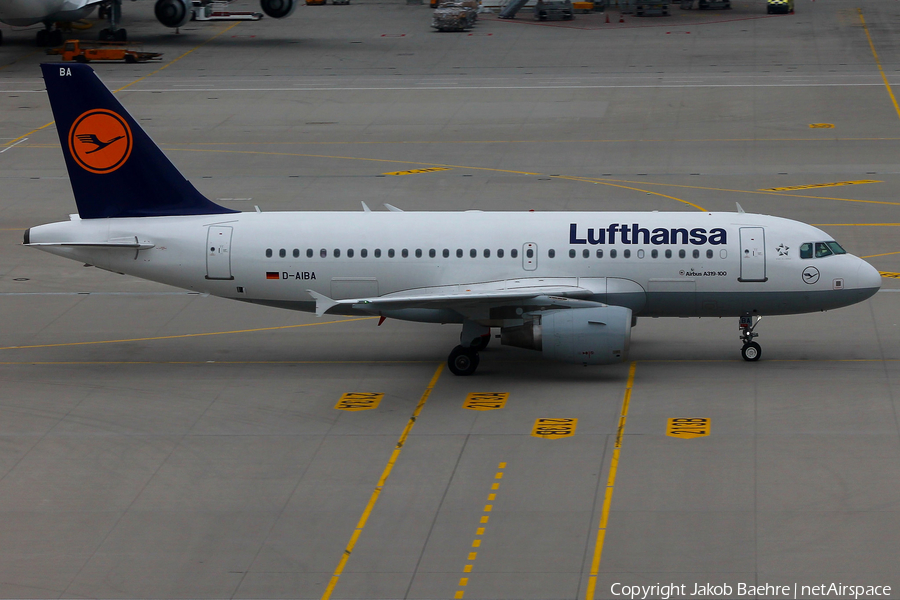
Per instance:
x=665, y=591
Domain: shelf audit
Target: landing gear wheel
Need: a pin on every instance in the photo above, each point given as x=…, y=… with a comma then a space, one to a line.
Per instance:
x=106, y=35
x=120, y=35
x=751, y=351
x=463, y=361
x=41, y=39
x=55, y=37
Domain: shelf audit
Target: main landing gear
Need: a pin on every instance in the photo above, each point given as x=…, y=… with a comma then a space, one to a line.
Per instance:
x=463, y=359
x=751, y=350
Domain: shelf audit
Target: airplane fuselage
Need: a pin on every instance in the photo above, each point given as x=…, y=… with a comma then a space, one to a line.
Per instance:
x=657, y=264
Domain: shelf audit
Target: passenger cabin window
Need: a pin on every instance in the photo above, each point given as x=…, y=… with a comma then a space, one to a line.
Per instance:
x=681, y=254
x=529, y=253
x=499, y=252
x=668, y=254
x=268, y=253
x=627, y=253
x=363, y=253
x=514, y=253
x=696, y=253
x=337, y=253
x=551, y=253
x=586, y=253
x=473, y=253
x=612, y=253
x=418, y=253
x=377, y=252
x=404, y=253
x=296, y=253
x=599, y=253
x=390, y=253
x=282, y=253
x=640, y=254
x=309, y=253
x=709, y=254
x=459, y=253
x=571, y=253
x=487, y=253
x=446, y=253
x=350, y=253
x=654, y=253
x=432, y=253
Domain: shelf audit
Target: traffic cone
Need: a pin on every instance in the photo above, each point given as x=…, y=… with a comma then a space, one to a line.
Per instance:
x=607, y=17
x=621, y=18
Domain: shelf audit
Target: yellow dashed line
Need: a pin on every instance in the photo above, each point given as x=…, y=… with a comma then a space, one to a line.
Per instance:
x=380, y=485
x=476, y=543
x=610, y=485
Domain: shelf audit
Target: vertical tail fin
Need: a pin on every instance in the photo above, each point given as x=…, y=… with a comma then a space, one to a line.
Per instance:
x=115, y=168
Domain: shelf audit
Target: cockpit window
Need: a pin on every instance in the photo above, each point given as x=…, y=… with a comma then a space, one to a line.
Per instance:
x=836, y=248
x=822, y=249
x=806, y=250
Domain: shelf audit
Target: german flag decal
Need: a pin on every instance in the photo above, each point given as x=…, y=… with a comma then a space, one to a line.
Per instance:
x=272, y=275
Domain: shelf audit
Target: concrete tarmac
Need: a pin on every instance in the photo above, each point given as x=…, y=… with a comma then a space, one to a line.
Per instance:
x=156, y=443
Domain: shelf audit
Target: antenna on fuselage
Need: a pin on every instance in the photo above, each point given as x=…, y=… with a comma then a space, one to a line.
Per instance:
x=740, y=208
x=365, y=206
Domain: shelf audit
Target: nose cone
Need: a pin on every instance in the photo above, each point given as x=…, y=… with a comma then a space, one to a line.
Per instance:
x=868, y=280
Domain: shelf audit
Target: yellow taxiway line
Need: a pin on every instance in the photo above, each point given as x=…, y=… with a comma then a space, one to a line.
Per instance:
x=184, y=335
x=610, y=486
x=373, y=499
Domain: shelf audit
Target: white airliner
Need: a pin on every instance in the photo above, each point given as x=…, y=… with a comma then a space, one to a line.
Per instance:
x=568, y=284
x=171, y=13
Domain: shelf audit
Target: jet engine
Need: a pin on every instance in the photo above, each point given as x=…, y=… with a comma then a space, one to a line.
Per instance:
x=592, y=336
x=278, y=9
x=173, y=13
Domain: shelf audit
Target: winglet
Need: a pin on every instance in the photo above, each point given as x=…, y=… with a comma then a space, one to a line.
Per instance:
x=323, y=302
x=740, y=208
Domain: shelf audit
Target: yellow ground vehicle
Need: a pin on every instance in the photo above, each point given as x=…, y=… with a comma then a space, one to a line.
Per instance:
x=779, y=6
x=73, y=50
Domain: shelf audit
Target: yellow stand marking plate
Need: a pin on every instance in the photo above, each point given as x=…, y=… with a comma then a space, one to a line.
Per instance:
x=821, y=125
x=688, y=428
x=417, y=171
x=553, y=429
x=819, y=185
x=486, y=400
x=890, y=275
x=353, y=401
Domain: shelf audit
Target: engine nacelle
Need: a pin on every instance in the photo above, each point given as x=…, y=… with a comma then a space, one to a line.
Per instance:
x=278, y=9
x=592, y=336
x=173, y=13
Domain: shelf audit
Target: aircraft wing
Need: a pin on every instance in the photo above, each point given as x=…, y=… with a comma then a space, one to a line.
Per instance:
x=474, y=300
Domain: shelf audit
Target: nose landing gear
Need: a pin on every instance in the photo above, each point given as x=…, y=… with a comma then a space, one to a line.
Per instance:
x=751, y=351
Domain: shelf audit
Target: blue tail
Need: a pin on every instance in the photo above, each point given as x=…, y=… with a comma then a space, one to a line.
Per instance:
x=115, y=168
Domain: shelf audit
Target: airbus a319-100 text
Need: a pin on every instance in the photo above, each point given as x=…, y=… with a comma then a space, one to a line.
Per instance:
x=567, y=284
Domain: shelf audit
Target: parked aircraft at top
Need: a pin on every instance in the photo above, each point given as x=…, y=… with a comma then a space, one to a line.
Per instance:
x=171, y=13
x=568, y=284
